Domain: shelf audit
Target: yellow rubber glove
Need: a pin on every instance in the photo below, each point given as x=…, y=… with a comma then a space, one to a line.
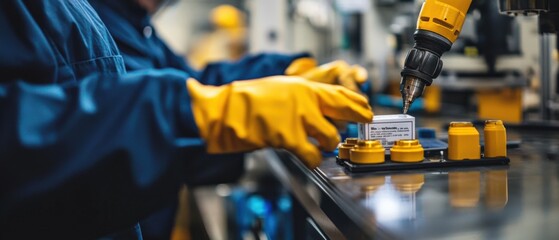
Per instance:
x=279, y=111
x=337, y=72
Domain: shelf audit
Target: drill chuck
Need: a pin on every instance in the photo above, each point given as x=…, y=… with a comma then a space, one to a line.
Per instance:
x=422, y=65
x=424, y=60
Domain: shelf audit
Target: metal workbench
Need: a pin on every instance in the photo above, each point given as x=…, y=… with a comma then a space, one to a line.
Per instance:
x=519, y=201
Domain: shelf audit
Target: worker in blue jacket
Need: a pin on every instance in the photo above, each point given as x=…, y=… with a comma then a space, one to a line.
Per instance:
x=87, y=148
x=129, y=23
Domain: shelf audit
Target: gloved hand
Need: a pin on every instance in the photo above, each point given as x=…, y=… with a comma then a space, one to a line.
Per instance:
x=277, y=111
x=337, y=72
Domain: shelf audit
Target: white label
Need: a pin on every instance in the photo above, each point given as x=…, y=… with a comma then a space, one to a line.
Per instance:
x=389, y=132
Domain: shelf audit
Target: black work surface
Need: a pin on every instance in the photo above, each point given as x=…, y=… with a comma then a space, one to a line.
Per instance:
x=425, y=164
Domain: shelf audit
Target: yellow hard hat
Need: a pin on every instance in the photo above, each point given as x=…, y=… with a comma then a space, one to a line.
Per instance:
x=227, y=16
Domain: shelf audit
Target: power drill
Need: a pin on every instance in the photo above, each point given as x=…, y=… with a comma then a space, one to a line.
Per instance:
x=438, y=26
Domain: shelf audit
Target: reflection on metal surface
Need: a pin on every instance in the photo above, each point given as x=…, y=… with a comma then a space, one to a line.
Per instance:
x=394, y=201
x=370, y=185
x=464, y=189
x=496, y=189
x=408, y=184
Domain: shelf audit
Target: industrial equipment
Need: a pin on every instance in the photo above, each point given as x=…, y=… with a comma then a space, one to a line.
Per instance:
x=440, y=23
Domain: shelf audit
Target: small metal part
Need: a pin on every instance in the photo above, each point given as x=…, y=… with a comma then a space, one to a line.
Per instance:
x=411, y=88
x=406, y=107
x=523, y=7
x=352, y=141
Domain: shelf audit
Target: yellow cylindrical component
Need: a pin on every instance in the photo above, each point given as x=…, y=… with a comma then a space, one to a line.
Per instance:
x=495, y=137
x=407, y=150
x=343, y=148
x=367, y=152
x=463, y=141
x=444, y=17
x=409, y=183
x=496, y=189
x=464, y=188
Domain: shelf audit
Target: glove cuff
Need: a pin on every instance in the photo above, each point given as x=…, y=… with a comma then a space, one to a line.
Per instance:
x=208, y=103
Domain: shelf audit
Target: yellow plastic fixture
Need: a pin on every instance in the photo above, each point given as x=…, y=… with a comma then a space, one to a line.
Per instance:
x=444, y=17
x=407, y=150
x=367, y=152
x=343, y=149
x=463, y=141
x=495, y=136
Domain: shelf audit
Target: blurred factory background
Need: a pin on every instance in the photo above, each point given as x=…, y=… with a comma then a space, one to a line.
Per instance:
x=497, y=59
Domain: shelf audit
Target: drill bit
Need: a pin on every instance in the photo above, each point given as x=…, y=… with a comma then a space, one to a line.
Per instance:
x=406, y=107
x=411, y=88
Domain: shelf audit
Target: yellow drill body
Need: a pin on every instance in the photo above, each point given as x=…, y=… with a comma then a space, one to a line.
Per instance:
x=444, y=17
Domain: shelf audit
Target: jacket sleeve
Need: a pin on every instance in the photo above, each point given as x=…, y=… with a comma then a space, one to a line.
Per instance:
x=249, y=67
x=93, y=157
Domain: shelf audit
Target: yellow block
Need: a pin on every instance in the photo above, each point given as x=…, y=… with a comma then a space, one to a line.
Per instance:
x=367, y=152
x=504, y=104
x=495, y=137
x=463, y=141
x=408, y=150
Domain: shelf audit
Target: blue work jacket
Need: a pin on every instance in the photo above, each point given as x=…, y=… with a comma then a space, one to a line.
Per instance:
x=86, y=148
